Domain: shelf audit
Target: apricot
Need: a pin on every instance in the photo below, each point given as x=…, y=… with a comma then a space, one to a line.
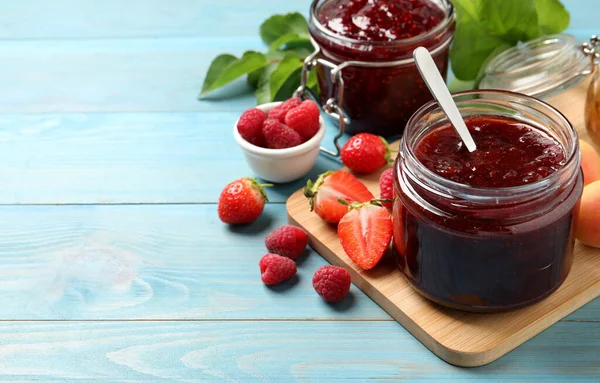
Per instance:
x=590, y=163
x=588, y=222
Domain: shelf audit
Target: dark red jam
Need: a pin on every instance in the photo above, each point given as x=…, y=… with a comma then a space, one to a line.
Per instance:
x=376, y=20
x=494, y=255
x=380, y=99
x=509, y=153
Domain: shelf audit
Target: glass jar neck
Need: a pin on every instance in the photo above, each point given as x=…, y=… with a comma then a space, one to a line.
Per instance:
x=342, y=48
x=445, y=197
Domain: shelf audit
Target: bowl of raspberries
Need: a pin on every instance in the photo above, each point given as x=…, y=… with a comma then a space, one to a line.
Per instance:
x=281, y=140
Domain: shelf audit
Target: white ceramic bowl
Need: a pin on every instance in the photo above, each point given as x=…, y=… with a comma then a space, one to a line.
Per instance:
x=281, y=165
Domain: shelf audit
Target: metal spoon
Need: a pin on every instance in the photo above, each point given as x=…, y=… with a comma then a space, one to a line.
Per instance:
x=437, y=87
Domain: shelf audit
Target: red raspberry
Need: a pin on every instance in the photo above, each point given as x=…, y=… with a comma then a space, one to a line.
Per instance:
x=332, y=283
x=250, y=126
x=279, y=136
x=275, y=269
x=304, y=119
x=386, y=187
x=288, y=241
x=279, y=112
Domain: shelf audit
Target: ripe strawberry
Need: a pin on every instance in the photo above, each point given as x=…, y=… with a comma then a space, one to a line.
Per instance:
x=332, y=283
x=279, y=136
x=304, y=119
x=242, y=201
x=386, y=187
x=275, y=269
x=288, y=241
x=250, y=126
x=365, y=233
x=365, y=153
x=278, y=113
x=330, y=187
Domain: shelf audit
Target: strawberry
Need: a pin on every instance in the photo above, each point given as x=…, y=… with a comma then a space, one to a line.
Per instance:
x=330, y=187
x=242, y=201
x=365, y=153
x=365, y=233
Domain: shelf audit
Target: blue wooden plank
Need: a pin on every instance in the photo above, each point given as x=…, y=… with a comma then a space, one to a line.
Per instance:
x=124, y=158
x=155, y=262
x=151, y=262
x=275, y=352
x=166, y=74
x=114, y=75
x=59, y=19
x=79, y=19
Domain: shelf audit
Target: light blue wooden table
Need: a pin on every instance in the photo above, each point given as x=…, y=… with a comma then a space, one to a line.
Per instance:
x=113, y=263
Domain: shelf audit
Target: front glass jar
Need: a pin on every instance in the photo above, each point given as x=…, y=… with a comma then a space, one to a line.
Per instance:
x=381, y=84
x=481, y=248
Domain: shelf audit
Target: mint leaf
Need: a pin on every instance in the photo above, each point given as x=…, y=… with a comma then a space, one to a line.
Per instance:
x=263, y=91
x=552, y=15
x=291, y=39
x=273, y=57
x=512, y=20
x=215, y=69
x=254, y=77
x=289, y=86
x=224, y=69
x=484, y=28
x=312, y=82
x=279, y=25
x=468, y=53
x=457, y=85
x=287, y=67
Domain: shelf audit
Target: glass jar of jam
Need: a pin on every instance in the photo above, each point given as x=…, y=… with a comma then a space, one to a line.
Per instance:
x=365, y=48
x=491, y=230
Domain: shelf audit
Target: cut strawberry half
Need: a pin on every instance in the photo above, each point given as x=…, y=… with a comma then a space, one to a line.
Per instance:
x=330, y=187
x=365, y=233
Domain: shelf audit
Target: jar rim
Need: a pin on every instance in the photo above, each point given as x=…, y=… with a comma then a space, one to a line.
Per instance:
x=498, y=193
x=448, y=20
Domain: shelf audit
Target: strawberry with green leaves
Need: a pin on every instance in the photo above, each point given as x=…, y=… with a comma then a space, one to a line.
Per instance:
x=365, y=153
x=242, y=201
x=365, y=233
x=330, y=187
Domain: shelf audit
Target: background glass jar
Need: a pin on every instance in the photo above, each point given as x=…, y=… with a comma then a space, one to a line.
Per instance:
x=381, y=84
x=486, y=249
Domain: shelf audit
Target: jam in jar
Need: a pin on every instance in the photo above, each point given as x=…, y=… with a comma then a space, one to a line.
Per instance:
x=372, y=42
x=490, y=230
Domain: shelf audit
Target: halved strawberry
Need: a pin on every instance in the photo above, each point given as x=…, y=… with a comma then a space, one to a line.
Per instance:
x=365, y=233
x=330, y=187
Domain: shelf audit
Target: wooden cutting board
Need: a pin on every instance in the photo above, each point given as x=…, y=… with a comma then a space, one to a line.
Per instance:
x=460, y=338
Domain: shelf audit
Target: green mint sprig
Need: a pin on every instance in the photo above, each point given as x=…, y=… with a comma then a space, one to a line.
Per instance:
x=275, y=75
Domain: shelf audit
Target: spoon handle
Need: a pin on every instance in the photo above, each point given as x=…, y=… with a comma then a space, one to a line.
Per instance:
x=437, y=87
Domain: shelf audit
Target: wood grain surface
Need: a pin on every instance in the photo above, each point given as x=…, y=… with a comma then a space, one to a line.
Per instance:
x=98, y=106
x=460, y=338
x=268, y=351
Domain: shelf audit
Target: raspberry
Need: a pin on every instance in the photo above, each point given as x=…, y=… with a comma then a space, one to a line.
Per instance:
x=288, y=241
x=332, y=283
x=275, y=269
x=279, y=136
x=250, y=126
x=386, y=187
x=304, y=119
x=279, y=112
